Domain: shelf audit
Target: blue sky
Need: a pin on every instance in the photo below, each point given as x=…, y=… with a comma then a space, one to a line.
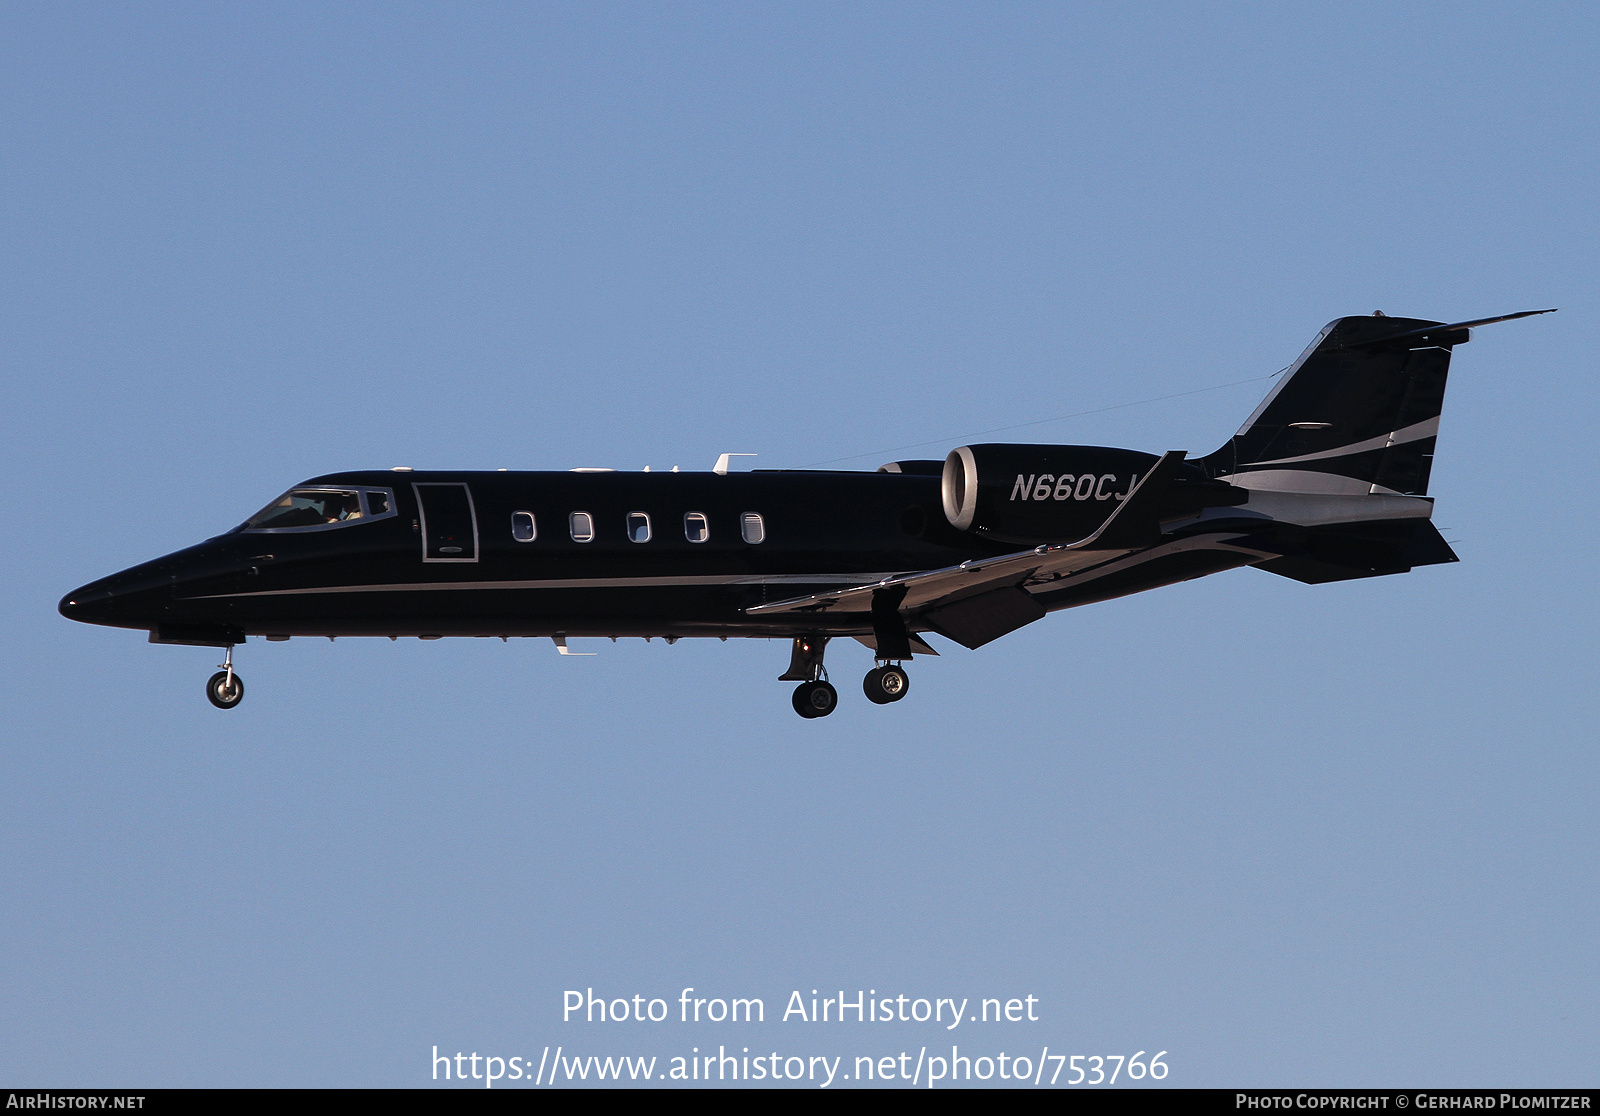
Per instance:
x=1330, y=835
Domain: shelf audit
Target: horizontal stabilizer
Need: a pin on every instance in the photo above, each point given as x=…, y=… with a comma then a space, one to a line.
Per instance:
x=1357, y=413
x=1447, y=334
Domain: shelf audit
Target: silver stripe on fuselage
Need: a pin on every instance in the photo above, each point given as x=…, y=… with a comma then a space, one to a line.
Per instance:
x=572, y=583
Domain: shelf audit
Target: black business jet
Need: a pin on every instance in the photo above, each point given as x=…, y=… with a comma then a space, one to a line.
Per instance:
x=1326, y=481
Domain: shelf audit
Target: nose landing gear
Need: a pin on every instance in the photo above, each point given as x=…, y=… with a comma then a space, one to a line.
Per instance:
x=225, y=689
x=886, y=683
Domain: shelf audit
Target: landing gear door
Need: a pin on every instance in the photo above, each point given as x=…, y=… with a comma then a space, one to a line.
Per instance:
x=449, y=525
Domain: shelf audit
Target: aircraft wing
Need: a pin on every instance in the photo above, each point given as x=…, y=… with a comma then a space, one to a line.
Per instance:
x=983, y=594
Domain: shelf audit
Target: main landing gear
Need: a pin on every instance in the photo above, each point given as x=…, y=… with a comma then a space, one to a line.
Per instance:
x=226, y=689
x=814, y=697
x=886, y=683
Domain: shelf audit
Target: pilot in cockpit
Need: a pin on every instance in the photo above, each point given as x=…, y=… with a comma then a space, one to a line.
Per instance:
x=341, y=506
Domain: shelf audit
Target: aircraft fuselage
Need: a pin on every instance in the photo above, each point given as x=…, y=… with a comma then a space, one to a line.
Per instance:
x=375, y=575
x=382, y=574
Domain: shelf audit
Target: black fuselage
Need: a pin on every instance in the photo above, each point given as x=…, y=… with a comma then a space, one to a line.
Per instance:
x=400, y=574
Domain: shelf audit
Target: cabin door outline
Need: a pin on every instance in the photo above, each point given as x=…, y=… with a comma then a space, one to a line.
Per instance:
x=450, y=534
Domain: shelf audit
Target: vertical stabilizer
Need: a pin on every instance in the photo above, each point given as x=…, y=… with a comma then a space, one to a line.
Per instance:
x=1358, y=413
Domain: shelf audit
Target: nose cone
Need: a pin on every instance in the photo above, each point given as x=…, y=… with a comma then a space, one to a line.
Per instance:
x=130, y=599
x=91, y=604
x=147, y=595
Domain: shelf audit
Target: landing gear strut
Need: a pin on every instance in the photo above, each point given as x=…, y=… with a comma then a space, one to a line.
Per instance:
x=892, y=641
x=226, y=689
x=814, y=697
x=886, y=683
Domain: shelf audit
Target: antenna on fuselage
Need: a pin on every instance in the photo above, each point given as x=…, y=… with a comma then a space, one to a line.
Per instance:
x=721, y=467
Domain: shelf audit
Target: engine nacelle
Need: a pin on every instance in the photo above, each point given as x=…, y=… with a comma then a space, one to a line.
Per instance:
x=1035, y=494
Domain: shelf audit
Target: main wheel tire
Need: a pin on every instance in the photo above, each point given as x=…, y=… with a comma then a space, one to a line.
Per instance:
x=815, y=699
x=221, y=694
x=802, y=700
x=824, y=699
x=886, y=684
x=873, y=687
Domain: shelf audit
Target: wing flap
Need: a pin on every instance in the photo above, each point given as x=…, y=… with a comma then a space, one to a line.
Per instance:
x=974, y=621
x=919, y=646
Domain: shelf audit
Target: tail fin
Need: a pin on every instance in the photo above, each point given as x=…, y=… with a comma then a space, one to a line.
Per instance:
x=1358, y=413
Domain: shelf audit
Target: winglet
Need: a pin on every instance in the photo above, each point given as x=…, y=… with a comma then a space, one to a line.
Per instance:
x=1136, y=522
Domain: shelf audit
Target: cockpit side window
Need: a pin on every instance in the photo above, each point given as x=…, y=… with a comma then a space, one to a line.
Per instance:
x=306, y=509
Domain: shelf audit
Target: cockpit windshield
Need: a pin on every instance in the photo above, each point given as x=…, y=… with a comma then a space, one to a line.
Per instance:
x=320, y=509
x=307, y=507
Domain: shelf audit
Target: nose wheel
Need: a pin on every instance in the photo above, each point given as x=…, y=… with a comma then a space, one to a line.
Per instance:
x=225, y=689
x=886, y=684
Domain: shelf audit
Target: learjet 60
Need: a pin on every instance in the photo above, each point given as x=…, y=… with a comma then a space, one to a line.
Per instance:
x=1326, y=481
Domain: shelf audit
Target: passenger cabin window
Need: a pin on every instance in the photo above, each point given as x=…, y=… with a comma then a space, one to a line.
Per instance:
x=523, y=528
x=581, y=524
x=751, y=527
x=638, y=527
x=695, y=527
x=306, y=507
